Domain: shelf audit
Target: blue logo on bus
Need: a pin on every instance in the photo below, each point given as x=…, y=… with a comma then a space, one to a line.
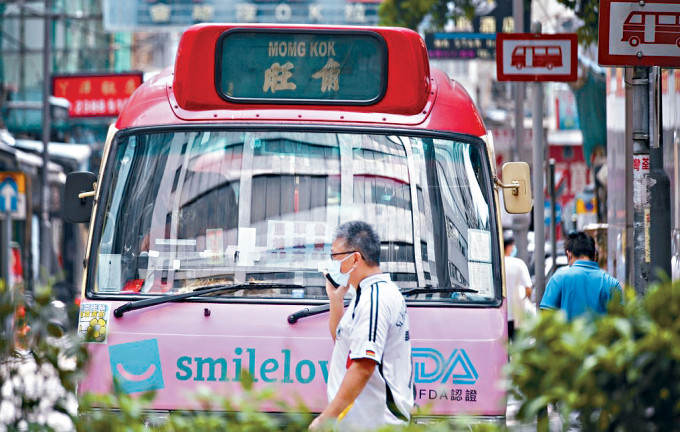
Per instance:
x=432, y=366
x=136, y=366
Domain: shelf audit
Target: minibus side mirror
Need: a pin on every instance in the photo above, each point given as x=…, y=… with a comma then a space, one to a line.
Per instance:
x=516, y=187
x=79, y=194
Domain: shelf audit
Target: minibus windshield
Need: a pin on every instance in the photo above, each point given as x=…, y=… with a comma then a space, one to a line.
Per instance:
x=183, y=210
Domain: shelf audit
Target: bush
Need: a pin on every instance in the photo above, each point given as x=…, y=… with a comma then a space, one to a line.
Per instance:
x=39, y=363
x=619, y=372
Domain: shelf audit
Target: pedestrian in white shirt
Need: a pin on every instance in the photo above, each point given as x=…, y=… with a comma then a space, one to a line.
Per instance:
x=370, y=381
x=517, y=284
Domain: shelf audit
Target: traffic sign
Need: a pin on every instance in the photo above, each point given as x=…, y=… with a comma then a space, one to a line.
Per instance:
x=536, y=57
x=13, y=194
x=639, y=33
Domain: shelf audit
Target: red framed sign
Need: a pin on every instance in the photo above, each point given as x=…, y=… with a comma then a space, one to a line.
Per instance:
x=536, y=57
x=100, y=95
x=635, y=33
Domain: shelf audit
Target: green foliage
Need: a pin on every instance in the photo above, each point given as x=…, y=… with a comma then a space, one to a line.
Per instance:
x=411, y=13
x=619, y=372
x=39, y=363
x=588, y=11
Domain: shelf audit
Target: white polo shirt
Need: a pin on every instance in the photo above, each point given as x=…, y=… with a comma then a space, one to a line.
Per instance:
x=375, y=326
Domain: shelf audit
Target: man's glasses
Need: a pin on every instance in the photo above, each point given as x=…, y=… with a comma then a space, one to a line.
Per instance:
x=343, y=253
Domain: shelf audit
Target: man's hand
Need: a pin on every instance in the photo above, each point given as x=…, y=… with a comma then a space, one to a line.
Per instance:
x=337, y=305
x=320, y=423
x=335, y=295
x=352, y=385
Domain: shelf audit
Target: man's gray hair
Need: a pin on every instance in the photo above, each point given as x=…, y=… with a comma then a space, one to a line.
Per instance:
x=361, y=237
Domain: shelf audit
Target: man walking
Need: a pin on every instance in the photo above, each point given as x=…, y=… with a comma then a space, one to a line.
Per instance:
x=517, y=284
x=583, y=286
x=370, y=381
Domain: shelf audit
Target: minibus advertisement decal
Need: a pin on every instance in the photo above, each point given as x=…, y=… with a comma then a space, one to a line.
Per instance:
x=432, y=367
x=93, y=322
x=136, y=366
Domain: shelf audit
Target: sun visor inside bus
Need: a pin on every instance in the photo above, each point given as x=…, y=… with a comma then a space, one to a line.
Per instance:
x=380, y=69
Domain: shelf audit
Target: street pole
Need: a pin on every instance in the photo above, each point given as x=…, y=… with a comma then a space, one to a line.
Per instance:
x=539, y=195
x=5, y=265
x=638, y=91
x=520, y=223
x=5, y=246
x=45, y=243
x=660, y=188
x=553, y=214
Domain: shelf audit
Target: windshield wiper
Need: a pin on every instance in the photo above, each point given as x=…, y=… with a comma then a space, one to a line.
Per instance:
x=201, y=291
x=310, y=311
x=430, y=290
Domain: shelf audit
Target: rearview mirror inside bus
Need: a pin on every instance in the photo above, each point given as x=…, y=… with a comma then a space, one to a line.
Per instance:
x=517, y=199
x=77, y=209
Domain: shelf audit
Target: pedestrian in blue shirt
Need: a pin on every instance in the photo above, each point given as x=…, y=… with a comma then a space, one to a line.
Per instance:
x=583, y=286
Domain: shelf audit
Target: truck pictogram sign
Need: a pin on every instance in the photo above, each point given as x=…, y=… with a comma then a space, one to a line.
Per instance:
x=639, y=33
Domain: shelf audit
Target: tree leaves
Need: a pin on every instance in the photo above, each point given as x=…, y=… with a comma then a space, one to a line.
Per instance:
x=619, y=371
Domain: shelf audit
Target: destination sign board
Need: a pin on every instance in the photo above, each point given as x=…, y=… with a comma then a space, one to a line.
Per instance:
x=321, y=67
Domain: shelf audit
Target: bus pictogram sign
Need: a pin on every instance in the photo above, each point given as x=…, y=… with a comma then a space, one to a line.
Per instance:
x=536, y=57
x=639, y=33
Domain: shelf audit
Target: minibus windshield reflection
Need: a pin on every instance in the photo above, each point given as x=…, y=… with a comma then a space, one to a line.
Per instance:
x=194, y=209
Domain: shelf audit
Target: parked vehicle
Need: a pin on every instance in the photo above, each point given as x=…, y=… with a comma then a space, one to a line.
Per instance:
x=222, y=183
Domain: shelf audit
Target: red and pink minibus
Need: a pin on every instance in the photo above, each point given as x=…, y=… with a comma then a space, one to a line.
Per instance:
x=222, y=182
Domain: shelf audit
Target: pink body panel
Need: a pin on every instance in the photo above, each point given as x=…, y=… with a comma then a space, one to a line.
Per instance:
x=458, y=354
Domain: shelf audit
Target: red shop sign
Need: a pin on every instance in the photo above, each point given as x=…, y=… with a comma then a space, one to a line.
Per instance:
x=101, y=95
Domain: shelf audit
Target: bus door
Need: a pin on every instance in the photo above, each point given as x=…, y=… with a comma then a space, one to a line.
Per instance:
x=650, y=28
x=529, y=59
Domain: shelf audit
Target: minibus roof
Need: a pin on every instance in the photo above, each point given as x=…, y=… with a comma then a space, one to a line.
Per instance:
x=406, y=92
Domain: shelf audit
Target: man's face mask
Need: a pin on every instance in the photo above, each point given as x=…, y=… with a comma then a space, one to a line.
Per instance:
x=335, y=273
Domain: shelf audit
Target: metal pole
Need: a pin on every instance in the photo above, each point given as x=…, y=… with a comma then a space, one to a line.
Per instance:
x=520, y=223
x=6, y=248
x=638, y=91
x=660, y=187
x=553, y=214
x=539, y=196
x=5, y=268
x=45, y=248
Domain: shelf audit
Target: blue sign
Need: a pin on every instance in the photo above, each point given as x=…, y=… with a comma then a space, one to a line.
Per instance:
x=457, y=369
x=558, y=213
x=9, y=192
x=136, y=366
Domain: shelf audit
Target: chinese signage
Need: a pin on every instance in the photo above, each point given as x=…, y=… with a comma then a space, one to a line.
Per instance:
x=637, y=33
x=96, y=95
x=320, y=67
x=461, y=45
x=536, y=57
x=476, y=38
x=127, y=15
